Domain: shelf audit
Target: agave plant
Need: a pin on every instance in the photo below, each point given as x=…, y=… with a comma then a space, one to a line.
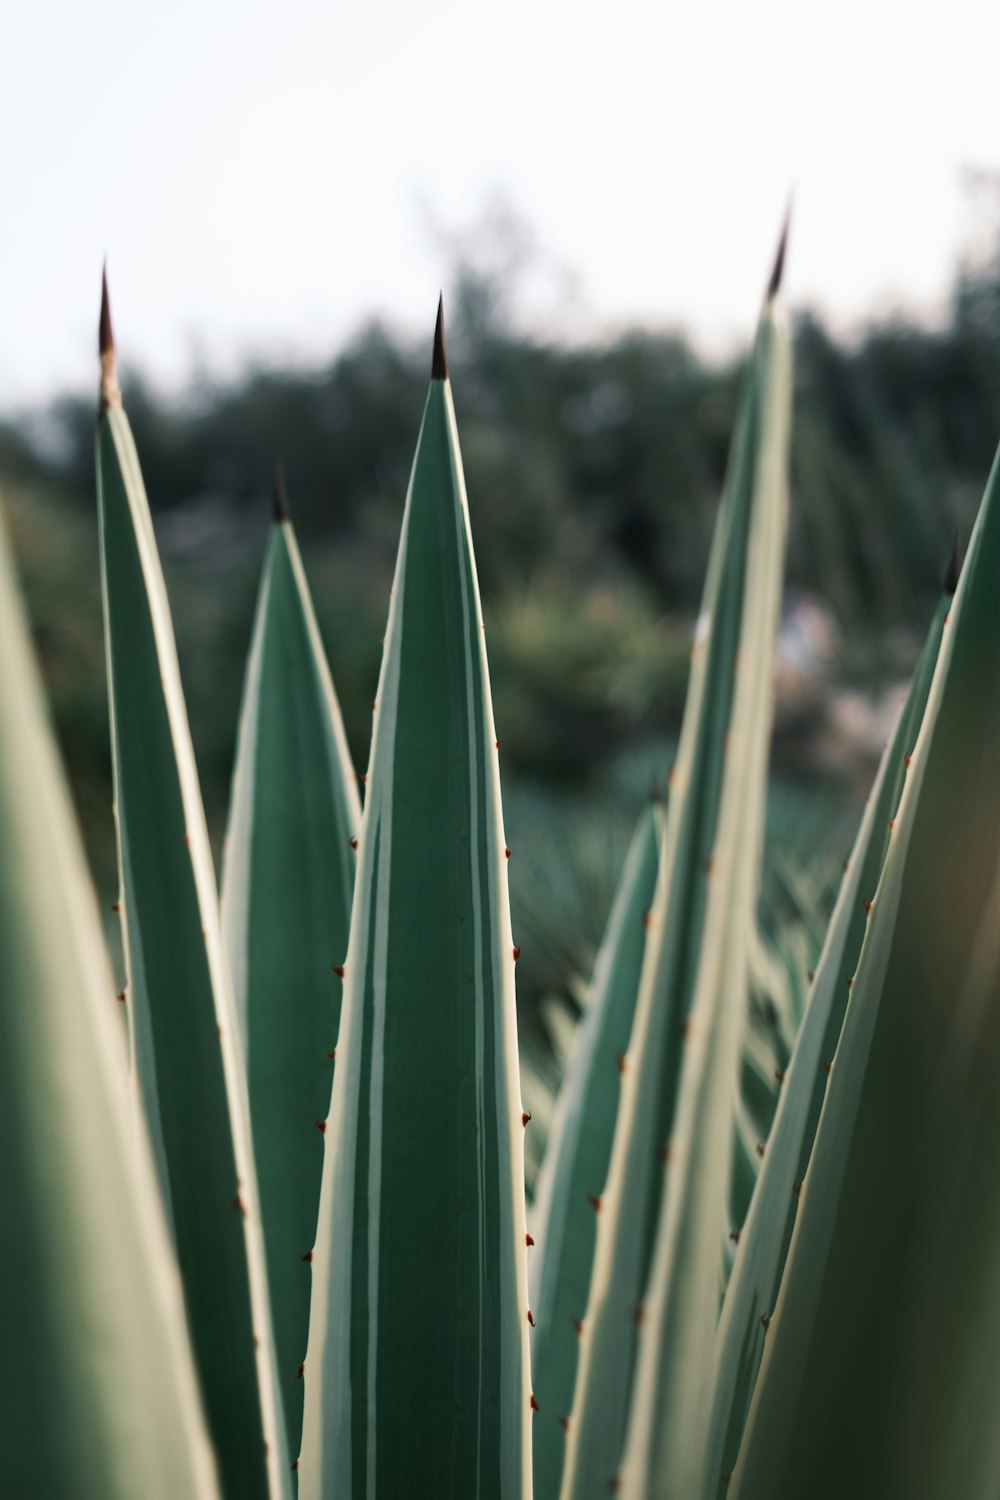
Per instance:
x=884, y=1326
x=424, y=1138
x=288, y=882
x=825, y=1360
x=674, y=1133
x=187, y=1066
x=277, y=1242
x=422, y=1239
x=99, y=1387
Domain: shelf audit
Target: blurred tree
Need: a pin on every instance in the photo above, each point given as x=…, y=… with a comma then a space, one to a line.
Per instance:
x=594, y=470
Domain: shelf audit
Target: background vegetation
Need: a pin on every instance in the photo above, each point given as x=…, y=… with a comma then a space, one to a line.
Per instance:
x=594, y=471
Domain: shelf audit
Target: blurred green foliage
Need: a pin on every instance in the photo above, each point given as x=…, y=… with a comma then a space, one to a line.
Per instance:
x=594, y=472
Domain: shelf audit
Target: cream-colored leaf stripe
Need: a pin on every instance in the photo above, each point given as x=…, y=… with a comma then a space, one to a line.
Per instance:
x=355, y=1345
x=203, y=877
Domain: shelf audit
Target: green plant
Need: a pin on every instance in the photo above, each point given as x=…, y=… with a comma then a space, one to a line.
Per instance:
x=99, y=1391
x=764, y=1240
x=673, y=1135
x=868, y=1207
x=186, y=1061
x=288, y=881
x=579, y=1150
x=421, y=1247
x=765, y=1221
x=884, y=1328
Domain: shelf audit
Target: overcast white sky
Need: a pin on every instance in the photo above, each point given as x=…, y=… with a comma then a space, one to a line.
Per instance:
x=263, y=176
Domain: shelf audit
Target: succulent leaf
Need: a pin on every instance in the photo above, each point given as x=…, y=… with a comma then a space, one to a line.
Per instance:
x=575, y=1167
x=764, y=1240
x=416, y=1374
x=705, y=877
x=288, y=878
x=99, y=1394
x=681, y=1303
x=883, y=1353
x=187, y=1057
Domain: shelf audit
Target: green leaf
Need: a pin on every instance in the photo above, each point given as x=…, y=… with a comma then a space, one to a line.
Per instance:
x=745, y=1162
x=752, y=1290
x=882, y=1359
x=576, y=1162
x=680, y=1308
x=98, y=1394
x=417, y=1377
x=187, y=1059
x=287, y=883
x=702, y=884
x=778, y=969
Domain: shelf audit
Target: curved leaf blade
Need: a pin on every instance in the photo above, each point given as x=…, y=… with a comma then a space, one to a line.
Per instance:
x=663, y=1451
x=417, y=1370
x=579, y=1150
x=99, y=1394
x=630, y=1204
x=750, y=1296
x=902, y=1351
x=288, y=879
x=187, y=1062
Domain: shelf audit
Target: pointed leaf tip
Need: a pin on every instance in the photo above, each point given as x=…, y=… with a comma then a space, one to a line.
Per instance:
x=951, y=573
x=778, y=269
x=281, y=510
x=110, y=393
x=439, y=364
x=106, y=338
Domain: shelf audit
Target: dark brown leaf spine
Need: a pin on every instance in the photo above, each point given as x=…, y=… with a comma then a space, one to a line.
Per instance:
x=105, y=333
x=110, y=393
x=439, y=362
x=778, y=268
